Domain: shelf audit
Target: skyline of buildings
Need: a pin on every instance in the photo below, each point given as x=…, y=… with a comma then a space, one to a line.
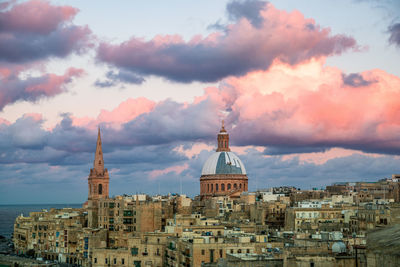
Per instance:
x=281, y=227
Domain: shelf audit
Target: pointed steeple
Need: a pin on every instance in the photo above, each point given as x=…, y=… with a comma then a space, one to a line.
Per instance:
x=98, y=164
x=223, y=139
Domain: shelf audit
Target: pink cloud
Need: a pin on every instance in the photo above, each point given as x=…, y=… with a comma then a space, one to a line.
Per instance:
x=35, y=116
x=4, y=121
x=177, y=169
x=126, y=111
x=54, y=83
x=36, y=30
x=321, y=158
x=33, y=88
x=240, y=49
x=316, y=108
x=195, y=149
x=36, y=16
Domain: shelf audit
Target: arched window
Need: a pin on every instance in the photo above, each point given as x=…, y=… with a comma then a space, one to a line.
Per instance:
x=240, y=186
x=222, y=187
x=212, y=187
x=235, y=186
x=99, y=161
x=208, y=187
x=229, y=186
x=100, y=189
x=216, y=187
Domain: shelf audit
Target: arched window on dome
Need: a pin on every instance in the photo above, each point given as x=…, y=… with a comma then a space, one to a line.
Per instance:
x=100, y=189
x=222, y=187
x=216, y=187
x=235, y=186
x=229, y=186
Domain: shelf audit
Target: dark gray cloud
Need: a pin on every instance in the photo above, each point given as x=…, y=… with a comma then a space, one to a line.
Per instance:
x=38, y=183
x=394, y=31
x=286, y=150
x=169, y=122
x=355, y=80
x=116, y=77
x=249, y=9
x=28, y=47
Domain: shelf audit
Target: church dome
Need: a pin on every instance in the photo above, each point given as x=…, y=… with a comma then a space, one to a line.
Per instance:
x=223, y=162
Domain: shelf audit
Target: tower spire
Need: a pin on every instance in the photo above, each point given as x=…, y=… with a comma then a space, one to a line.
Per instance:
x=98, y=164
x=223, y=139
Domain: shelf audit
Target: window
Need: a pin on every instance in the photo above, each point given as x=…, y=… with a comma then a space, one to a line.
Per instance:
x=123, y=261
x=229, y=186
x=105, y=261
x=115, y=261
x=216, y=187
x=247, y=250
x=134, y=251
x=202, y=252
x=235, y=186
x=95, y=260
x=220, y=253
x=128, y=213
x=100, y=189
x=222, y=187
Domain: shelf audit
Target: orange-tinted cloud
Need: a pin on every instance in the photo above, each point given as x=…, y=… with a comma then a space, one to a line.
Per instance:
x=127, y=111
x=311, y=105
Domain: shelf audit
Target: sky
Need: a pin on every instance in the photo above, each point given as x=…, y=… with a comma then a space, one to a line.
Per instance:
x=309, y=91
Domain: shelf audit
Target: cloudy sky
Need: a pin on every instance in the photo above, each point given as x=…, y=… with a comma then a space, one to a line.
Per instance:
x=309, y=90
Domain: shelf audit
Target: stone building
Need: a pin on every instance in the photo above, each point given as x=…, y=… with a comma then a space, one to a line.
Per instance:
x=129, y=214
x=316, y=219
x=146, y=249
x=223, y=173
x=383, y=247
x=198, y=250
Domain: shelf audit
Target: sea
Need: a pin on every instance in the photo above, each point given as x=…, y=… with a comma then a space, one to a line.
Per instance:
x=8, y=213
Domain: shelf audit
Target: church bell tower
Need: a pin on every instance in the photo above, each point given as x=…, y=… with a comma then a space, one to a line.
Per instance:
x=98, y=182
